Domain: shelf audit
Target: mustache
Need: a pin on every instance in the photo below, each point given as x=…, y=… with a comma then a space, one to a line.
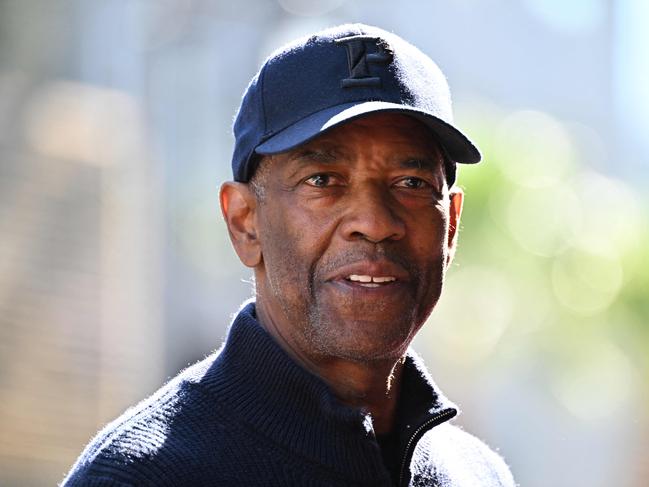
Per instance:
x=375, y=253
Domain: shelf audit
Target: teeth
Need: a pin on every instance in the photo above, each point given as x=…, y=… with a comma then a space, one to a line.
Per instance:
x=371, y=279
x=358, y=278
x=384, y=279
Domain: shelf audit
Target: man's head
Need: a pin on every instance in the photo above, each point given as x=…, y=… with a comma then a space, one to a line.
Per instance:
x=346, y=212
x=329, y=78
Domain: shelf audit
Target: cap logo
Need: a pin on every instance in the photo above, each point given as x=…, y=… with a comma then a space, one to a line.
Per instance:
x=361, y=52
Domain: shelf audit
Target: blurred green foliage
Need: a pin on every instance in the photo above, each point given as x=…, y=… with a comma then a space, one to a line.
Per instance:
x=564, y=250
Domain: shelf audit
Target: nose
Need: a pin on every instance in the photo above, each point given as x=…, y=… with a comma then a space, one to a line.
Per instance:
x=370, y=214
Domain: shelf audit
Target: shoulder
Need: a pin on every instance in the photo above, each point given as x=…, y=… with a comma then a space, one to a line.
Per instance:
x=152, y=437
x=460, y=458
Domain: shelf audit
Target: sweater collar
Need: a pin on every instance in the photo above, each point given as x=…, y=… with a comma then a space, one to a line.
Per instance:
x=270, y=393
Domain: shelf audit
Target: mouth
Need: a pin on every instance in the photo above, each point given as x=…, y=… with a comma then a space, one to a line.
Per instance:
x=368, y=281
x=370, y=276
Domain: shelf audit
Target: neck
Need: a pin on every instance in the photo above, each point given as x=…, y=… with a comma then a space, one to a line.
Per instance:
x=372, y=385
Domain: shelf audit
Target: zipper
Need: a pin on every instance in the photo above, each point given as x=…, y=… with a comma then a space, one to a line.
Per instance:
x=437, y=419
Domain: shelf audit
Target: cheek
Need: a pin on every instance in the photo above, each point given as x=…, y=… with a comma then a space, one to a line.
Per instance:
x=429, y=233
x=289, y=249
x=429, y=243
x=278, y=242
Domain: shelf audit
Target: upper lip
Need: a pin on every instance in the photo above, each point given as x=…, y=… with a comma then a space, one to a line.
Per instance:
x=379, y=268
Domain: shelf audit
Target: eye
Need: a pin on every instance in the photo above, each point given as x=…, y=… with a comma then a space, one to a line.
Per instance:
x=321, y=180
x=412, y=182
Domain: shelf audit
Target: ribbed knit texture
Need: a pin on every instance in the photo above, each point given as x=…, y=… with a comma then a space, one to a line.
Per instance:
x=249, y=415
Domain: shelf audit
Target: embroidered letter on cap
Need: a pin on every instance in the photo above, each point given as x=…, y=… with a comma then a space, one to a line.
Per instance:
x=359, y=59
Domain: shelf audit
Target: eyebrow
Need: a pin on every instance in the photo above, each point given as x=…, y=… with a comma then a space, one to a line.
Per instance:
x=430, y=163
x=425, y=163
x=308, y=155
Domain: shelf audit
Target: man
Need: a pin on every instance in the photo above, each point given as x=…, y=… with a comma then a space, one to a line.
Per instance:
x=343, y=205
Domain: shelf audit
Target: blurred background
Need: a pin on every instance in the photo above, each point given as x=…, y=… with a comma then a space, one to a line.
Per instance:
x=116, y=270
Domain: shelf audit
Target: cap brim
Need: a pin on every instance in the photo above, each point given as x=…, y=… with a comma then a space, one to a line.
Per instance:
x=458, y=147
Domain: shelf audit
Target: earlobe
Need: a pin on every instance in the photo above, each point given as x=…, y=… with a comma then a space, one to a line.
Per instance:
x=456, y=199
x=238, y=206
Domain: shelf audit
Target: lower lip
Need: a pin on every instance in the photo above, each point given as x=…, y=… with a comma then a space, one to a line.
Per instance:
x=370, y=289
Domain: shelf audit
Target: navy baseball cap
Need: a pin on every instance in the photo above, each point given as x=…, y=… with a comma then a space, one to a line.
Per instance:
x=327, y=79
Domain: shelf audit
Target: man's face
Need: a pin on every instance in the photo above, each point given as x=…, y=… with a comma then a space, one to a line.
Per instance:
x=354, y=235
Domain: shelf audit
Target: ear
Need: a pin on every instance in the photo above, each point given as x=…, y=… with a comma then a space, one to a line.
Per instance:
x=456, y=198
x=238, y=205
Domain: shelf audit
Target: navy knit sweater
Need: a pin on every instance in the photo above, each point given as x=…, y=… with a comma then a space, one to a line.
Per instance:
x=248, y=415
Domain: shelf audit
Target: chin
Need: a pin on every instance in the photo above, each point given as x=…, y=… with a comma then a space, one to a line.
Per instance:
x=361, y=340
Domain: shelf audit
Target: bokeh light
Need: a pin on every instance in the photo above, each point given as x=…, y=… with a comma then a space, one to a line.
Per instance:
x=596, y=381
x=534, y=150
x=612, y=214
x=586, y=283
x=84, y=123
x=479, y=304
x=544, y=221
